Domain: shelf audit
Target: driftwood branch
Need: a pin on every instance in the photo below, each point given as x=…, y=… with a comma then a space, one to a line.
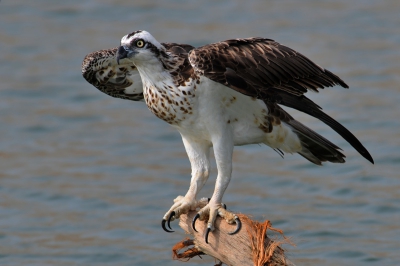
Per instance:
x=250, y=246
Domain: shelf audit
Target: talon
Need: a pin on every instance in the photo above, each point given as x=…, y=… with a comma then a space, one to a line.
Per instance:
x=206, y=236
x=169, y=219
x=163, y=226
x=224, y=205
x=238, y=226
x=197, y=216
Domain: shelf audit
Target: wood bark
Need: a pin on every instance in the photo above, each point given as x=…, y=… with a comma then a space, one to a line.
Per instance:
x=250, y=246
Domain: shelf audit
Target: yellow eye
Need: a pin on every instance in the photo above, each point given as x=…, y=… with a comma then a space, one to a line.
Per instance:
x=140, y=43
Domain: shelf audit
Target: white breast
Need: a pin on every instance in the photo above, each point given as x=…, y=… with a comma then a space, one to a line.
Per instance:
x=218, y=108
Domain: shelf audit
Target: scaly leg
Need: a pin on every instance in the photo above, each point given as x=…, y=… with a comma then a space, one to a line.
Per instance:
x=198, y=153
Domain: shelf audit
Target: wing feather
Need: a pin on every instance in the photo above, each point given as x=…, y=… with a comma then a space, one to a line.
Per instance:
x=262, y=63
x=100, y=69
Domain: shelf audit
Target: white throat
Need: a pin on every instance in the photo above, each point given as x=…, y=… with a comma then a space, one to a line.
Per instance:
x=153, y=72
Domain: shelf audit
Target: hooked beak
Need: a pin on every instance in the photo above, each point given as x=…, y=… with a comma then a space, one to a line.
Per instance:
x=123, y=52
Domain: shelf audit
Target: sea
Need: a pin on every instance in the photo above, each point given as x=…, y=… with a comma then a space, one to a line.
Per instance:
x=85, y=178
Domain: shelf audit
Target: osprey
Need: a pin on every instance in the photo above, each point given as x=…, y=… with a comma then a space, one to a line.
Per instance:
x=221, y=95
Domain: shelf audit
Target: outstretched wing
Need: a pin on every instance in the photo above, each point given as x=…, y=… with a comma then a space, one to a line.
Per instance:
x=100, y=69
x=267, y=70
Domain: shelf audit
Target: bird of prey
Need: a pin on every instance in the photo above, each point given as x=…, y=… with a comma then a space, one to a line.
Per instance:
x=221, y=95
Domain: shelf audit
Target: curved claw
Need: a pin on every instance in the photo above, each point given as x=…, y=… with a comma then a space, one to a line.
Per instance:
x=163, y=226
x=206, y=236
x=197, y=216
x=238, y=226
x=169, y=219
x=168, y=223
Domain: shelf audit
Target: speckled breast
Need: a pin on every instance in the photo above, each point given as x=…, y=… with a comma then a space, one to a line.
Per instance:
x=171, y=104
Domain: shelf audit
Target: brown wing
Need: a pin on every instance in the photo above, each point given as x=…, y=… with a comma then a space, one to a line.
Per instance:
x=254, y=65
x=267, y=70
x=123, y=81
x=100, y=69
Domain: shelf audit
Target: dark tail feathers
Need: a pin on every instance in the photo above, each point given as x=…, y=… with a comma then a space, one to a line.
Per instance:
x=315, y=147
x=307, y=106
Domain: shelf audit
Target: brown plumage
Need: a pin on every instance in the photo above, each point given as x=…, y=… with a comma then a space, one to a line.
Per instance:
x=254, y=65
x=100, y=69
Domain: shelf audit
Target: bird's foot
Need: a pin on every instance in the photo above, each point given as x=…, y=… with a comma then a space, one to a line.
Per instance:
x=210, y=212
x=182, y=205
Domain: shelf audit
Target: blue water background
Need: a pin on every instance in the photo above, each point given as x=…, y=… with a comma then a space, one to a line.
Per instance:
x=85, y=178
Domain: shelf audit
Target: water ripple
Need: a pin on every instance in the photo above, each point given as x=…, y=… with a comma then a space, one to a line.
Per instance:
x=86, y=178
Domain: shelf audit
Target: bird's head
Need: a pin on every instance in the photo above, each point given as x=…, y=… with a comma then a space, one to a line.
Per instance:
x=139, y=47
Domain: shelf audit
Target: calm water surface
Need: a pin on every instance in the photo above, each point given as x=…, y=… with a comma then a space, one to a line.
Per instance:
x=85, y=178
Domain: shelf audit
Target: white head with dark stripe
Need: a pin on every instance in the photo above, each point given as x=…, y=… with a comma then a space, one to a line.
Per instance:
x=140, y=47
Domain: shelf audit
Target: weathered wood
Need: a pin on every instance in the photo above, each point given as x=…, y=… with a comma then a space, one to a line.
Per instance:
x=239, y=249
